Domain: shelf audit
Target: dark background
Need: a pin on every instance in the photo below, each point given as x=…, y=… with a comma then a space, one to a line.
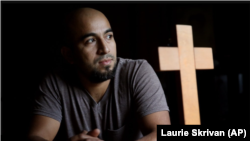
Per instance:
x=31, y=38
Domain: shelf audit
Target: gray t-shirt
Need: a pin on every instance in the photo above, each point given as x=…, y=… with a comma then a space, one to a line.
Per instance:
x=134, y=92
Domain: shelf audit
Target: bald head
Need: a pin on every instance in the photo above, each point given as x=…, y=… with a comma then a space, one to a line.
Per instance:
x=79, y=20
x=85, y=13
x=91, y=45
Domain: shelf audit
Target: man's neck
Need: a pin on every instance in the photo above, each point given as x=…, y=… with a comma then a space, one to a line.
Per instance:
x=96, y=90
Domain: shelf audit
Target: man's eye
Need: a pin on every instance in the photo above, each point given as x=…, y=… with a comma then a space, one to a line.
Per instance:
x=90, y=41
x=109, y=36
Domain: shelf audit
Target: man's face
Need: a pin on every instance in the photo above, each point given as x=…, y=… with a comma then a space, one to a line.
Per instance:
x=94, y=47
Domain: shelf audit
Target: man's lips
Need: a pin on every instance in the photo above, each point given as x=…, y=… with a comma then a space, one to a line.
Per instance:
x=105, y=61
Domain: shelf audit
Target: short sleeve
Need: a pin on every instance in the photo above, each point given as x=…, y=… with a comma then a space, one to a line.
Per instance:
x=47, y=100
x=149, y=96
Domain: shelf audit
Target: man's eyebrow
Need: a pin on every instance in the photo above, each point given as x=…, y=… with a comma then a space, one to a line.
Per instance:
x=87, y=35
x=108, y=30
x=94, y=34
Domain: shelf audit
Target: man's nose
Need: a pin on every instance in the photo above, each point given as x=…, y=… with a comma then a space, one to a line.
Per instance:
x=103, y=47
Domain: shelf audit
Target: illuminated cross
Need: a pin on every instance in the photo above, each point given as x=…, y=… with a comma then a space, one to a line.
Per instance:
x=186, y=59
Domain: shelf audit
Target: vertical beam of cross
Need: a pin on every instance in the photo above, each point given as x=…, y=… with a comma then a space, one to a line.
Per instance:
x=186, y=59
x=188, y=75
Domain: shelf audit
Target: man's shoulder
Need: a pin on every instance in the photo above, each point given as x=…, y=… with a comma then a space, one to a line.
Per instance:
x=57, y=76
x=128, y=67
x=125, y=62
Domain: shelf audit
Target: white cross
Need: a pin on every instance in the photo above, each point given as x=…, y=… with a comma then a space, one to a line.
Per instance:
x=187, y=59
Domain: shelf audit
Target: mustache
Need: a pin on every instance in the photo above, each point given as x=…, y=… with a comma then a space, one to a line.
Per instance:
x=103, y=57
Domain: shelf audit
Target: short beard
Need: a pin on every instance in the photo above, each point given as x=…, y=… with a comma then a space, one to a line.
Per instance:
x=98, y=77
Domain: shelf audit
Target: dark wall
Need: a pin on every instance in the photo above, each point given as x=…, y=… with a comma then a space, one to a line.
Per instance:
x=31, y=37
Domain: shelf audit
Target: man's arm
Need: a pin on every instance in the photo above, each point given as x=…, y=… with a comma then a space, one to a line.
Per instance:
x=43, y=128
x=148, y=124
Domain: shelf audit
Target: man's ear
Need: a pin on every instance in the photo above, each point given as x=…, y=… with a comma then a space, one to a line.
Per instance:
x=67, y=54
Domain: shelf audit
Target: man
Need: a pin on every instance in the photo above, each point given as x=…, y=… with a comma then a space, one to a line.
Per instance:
x=101, y=96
